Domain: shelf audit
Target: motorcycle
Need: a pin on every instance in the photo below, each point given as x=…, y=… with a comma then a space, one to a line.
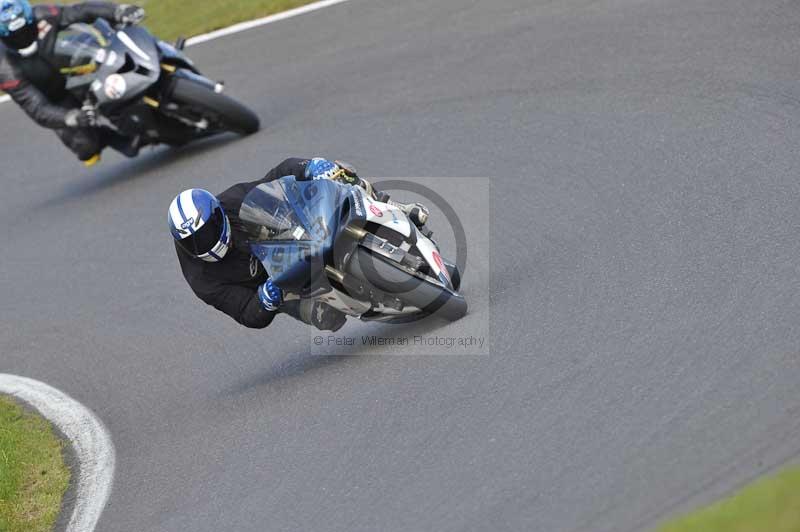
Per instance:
x=330, y=242
x=144, y=86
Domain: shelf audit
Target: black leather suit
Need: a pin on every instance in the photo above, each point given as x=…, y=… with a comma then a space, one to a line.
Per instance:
x=37, y=85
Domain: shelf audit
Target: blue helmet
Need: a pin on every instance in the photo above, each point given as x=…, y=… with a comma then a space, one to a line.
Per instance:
x=199, y=225
x=17, y=27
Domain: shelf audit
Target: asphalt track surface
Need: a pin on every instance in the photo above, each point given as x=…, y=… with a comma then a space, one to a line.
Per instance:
x=642, y=256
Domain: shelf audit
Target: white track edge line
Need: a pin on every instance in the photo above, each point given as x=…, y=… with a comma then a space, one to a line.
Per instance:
x=250, y=24
x=90, y=441
x=89, y=437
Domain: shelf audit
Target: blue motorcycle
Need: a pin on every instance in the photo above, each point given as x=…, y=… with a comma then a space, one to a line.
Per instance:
x=331, y=242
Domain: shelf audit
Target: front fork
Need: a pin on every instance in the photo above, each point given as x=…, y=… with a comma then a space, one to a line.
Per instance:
x=162, y=102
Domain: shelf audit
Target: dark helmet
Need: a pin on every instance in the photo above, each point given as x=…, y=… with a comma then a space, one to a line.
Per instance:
x=17, y=28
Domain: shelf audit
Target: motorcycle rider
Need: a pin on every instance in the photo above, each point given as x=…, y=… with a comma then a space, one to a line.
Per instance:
x=28, y=34
x=217, y=262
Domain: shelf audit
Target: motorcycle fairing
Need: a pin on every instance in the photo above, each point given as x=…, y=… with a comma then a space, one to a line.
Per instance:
x=392, y=218
x=117, y=66
x=170, y=54
x=386, y=215
x=431, y=255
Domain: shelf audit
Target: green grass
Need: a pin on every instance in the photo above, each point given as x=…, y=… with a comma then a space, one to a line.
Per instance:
x=170, y=18
x=769, y=505
x=33, y=477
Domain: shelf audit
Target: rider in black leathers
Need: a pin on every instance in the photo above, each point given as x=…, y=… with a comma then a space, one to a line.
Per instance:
x=231, y=285
x=28, y=74
x=234, y=283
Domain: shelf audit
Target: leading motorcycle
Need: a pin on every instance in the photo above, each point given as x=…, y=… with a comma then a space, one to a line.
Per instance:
x=331, y=242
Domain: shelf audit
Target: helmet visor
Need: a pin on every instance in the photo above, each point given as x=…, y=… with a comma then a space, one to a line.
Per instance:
x=22, y=38
x=207, y=237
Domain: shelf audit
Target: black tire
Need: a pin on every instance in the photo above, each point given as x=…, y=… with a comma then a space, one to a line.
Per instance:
x=222, y=110
x=431, y=298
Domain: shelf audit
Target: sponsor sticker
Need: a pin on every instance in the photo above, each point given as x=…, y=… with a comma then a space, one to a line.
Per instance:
x=357, y=203
x=10, y=84
x=440, y=264
x=115, y=86
x=376, y=211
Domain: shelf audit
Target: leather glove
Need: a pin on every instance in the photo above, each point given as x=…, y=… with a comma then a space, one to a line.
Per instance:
x=319, y=168
x=129, y=14
x=348, y=173
x=86, y=116
x=270, y=295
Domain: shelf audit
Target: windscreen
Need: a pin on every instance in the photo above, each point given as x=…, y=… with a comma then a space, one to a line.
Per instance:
x=80, y=49
x=267, y=215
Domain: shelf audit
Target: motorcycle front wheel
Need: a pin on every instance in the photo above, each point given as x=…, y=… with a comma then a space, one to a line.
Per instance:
x=221, y=110
x=431, y=299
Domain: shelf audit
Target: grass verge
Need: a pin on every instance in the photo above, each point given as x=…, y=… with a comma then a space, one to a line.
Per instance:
x=169, y=19
x=771, y=504
x=33, y=476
